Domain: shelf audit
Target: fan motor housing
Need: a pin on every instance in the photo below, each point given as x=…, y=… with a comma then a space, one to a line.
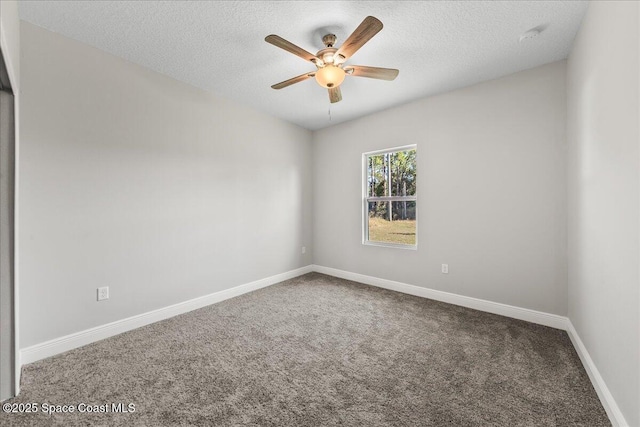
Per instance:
x=328, y=55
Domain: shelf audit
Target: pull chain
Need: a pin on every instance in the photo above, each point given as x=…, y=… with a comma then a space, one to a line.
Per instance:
x=329, y=113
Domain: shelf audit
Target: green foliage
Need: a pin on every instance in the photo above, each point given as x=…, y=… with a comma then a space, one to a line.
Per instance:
x=392, y=174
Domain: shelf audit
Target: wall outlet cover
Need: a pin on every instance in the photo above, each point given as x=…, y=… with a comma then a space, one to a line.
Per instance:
x=103, y=293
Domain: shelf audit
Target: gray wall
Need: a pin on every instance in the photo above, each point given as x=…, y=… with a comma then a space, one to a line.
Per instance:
x=135, y=181
x=604, y=191
x=491, y=191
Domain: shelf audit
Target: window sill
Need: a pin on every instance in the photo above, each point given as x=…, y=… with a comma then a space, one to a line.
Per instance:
x=391, y=245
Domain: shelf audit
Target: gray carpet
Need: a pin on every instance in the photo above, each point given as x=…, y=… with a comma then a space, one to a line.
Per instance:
x=321, y=351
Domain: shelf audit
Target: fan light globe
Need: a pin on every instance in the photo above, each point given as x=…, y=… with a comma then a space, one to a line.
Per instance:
x=330, y=76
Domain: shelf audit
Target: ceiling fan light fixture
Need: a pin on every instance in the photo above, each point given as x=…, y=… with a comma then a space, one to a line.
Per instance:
x=330, y=76
x=329, y=61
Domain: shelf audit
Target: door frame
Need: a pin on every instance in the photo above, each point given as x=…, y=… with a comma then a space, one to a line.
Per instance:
x=8, y=79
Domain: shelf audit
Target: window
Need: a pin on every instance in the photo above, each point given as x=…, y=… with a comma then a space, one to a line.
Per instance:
x=390, y=197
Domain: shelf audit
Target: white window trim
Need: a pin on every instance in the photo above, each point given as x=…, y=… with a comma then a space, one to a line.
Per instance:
x=365, y=210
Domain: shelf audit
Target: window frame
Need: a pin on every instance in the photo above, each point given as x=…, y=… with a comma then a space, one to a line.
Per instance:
x=366, y=199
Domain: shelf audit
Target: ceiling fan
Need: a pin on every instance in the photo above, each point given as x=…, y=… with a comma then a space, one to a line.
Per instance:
x=329, y=61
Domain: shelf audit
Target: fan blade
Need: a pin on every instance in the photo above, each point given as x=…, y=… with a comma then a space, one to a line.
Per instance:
x=297, y=79
x=371, y=72
x=365, y=31
x=290, y=47
x=335, y=95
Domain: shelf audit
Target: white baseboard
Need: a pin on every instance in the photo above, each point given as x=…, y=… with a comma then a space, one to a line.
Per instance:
x=78, y=339
x=541, y=318
x=608, y=402
x=533, y=316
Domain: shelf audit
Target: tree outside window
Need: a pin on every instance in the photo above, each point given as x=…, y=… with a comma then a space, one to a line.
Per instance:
x=390, y=197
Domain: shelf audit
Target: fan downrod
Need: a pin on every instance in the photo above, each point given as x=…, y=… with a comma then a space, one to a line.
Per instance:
x=329, y=40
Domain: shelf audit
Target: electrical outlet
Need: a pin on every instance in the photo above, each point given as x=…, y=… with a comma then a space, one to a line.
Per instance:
x=103, y=293
x=304, y=250
x=445, y=268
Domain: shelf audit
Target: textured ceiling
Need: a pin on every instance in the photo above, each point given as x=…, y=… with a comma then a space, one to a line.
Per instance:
x=219, y=46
